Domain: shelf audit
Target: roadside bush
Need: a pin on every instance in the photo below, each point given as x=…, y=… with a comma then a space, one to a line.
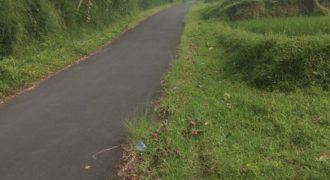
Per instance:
x=22, y=21
x=278, y=62
x=9, y=25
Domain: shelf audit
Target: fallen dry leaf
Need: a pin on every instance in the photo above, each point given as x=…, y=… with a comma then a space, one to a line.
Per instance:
x=325, y=156
x=154, y=136
x=193, y=123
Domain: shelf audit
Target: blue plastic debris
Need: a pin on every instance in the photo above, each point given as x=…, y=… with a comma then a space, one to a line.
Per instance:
x=141, y=147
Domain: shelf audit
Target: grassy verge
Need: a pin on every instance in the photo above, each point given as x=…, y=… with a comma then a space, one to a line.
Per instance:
x=214, y=126
x=58, y=51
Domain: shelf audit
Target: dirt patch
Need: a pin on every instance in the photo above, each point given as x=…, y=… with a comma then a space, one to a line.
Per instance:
x=128, y=166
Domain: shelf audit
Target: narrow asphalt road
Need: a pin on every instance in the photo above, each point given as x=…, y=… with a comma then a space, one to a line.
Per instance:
x=52, y=131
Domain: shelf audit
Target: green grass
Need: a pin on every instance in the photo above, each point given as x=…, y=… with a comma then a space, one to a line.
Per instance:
x=24, y=21
x=277, y=62
x=212, y=125
x=54, y=52
x=255, y=9
x=291, y=26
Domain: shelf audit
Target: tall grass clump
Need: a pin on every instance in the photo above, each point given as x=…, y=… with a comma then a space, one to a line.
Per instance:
x=23, y=21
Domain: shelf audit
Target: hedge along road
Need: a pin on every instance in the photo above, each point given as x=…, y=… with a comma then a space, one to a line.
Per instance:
x=53, y=131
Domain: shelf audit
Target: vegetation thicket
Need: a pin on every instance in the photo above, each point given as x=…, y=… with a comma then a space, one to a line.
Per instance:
x=24, y=20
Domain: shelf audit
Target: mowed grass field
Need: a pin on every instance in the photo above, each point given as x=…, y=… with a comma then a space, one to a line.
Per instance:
x=291, y=26
x=211, y=124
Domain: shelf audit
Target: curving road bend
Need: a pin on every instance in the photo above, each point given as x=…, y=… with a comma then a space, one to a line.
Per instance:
x=53, y=131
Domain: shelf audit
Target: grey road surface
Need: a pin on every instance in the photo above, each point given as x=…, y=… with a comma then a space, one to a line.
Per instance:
x=53, y=131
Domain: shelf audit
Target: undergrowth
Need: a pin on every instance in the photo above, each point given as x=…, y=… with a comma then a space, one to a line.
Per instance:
x=22, y=21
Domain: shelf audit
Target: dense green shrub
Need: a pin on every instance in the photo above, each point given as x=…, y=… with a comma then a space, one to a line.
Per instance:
x=251, y=9
x=24, y=20
x=278, y=62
